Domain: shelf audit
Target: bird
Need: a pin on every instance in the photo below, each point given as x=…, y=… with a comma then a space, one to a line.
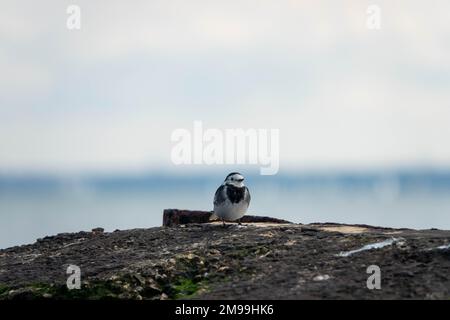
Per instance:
x=232, y=198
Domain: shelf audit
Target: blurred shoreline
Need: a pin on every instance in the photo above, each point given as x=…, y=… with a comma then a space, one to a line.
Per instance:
x=404, y=180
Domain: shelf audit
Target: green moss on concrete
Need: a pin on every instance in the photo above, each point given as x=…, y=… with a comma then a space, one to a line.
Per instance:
x=4, y=290
x=187, y=288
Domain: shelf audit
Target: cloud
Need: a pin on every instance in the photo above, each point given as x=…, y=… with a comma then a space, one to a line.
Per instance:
x=110, y=94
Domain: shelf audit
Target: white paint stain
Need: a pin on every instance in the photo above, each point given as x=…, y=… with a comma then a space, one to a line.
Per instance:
x=377, y=245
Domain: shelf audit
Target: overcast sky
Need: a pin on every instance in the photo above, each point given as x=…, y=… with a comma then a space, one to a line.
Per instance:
x=108, y=96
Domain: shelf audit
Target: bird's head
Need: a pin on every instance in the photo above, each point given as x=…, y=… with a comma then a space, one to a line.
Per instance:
x=234, y=179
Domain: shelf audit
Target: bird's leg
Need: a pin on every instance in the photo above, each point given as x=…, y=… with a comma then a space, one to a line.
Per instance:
x=223, y=222
x=239, y=221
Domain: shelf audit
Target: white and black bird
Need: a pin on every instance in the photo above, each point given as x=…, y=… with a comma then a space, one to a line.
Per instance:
x=232, y=198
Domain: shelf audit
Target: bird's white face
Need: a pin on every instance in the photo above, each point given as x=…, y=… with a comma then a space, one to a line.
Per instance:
x=236, y=180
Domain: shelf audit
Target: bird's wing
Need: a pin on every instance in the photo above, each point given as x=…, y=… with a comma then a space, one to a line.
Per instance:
x=247, y=196
x=219, y=197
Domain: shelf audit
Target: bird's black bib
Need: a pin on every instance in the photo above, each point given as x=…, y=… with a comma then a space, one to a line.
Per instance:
x=235, y=194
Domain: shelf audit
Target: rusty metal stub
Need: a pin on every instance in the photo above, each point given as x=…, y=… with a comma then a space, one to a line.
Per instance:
x=173, y=217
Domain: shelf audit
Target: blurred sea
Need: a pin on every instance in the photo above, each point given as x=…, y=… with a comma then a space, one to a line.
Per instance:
x=35, y=206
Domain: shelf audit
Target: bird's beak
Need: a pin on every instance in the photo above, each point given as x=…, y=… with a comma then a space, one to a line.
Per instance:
x=240, y=180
